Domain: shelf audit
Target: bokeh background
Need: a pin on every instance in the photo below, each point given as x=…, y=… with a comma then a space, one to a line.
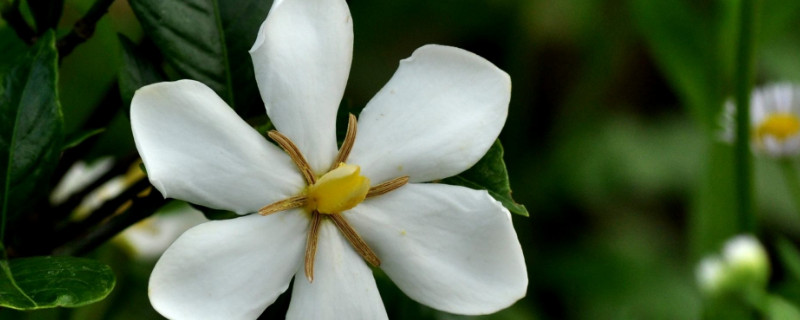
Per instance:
x=611, y=140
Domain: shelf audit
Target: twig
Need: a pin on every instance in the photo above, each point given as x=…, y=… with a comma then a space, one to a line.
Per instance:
x=13, y=17
x=83, y=29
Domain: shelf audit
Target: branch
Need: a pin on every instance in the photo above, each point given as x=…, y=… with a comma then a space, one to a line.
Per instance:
x=83, y=29
x=12, y=16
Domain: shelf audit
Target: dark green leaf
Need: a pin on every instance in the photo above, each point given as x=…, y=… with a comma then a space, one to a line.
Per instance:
x=47, y=282
x=11, y=49
x=80, y=137
x=215, y=214
x=789, y=257
x=30, y=128
x=137, y=71
x=46, y=13
x=208, y=41
x=490, y=174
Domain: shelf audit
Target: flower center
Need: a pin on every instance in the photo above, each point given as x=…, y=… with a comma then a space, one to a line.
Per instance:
x=779, y=125
x=338, y=190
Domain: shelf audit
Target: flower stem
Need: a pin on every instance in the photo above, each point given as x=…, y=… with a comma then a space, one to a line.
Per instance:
x=790, y=177
x=743, y=160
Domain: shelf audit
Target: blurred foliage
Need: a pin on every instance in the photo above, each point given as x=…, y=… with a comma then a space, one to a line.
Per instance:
x=611, y=141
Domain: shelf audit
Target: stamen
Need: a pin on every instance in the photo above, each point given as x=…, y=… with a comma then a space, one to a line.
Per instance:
x=285, y=204
x=295, y=154
x=347, y=144
x=311, y=245
x=387, y=186
x=355, y=240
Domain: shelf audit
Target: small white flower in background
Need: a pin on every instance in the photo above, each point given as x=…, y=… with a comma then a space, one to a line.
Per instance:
x=79, y=176
x=326, y=214
x=743, y=264
x=774, y=120
x=711, y=274
x=149, y=238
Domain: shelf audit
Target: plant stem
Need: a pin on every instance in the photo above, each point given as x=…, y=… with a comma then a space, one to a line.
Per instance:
x=790, y=176
x=743, y=160
x=83, y=29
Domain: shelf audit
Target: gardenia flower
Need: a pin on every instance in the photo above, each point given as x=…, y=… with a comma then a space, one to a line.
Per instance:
x=774, y=120
x=325, y=215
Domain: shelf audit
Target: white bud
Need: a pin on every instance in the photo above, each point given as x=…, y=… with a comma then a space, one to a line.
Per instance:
x=710, y=274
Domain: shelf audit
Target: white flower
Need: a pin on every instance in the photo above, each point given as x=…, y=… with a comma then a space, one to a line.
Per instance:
x=744, y=264
x=449, y=247
x=149, y=238
x=774, y=120
x=710, y=274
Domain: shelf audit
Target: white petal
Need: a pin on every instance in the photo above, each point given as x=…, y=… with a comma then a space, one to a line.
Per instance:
x=195, y=148
x=302, y=59
x=437, y=116
x=343, y=286
x=229, y=269
x=448, y=247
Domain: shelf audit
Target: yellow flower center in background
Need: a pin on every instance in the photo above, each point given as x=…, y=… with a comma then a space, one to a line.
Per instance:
x=779, y=125
x=338, y=190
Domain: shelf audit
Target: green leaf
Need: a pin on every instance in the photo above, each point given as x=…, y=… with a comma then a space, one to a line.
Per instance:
x=208, y=41
x=777, y=308
x=789, y=257
x=490, y=174
x=47, y=282
x=80, y=137
x=46, y=13
x=11, y=48
x=137, y=70
x=31, y=129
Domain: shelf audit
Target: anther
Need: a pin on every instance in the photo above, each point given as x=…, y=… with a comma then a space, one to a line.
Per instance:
x=349, y=140
x=311, y=245
x=295, y=154
x=355, y=240
x=387, y=186
x=286, y=204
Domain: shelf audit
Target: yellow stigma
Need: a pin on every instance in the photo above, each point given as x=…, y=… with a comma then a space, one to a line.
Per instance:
x=338, y=190
x=779, y=125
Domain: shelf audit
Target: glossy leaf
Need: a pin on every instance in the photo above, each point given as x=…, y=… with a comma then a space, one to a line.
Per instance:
x=137, y=70
x=47, y=282
x=490, y=174
x=208, y=40
x=30, y=128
